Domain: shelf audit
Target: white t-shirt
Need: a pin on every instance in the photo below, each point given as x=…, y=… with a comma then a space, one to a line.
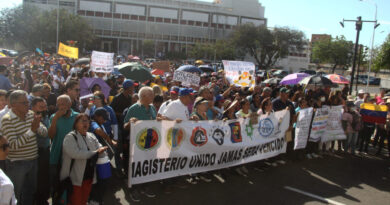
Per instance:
x=7, y=194
x=177, y=110
x=163, y=107
x=358, y=102
x=56, y=78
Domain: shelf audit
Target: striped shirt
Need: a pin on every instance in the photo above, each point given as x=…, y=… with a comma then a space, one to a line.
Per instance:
x=22, y=141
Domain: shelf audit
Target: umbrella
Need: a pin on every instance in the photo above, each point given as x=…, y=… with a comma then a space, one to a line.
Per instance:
x=157, y=72
x=199, y=62
x=190, y=69
x=272, y=81
x=86, y=85
x=293, y=79
x=338, y=79
x=317, y=80
x=206, y=68
x=135, y=71
x=82, y=61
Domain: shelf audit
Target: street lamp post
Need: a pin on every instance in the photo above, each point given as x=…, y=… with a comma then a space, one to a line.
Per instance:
x=359, y=24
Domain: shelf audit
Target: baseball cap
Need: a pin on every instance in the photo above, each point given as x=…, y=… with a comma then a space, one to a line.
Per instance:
x=127, y=84
x=101, y=112
x=219, y=97
x=175, y=90
x=267, y=89
x=184, y=91
x=284, y=90
x=361, y=91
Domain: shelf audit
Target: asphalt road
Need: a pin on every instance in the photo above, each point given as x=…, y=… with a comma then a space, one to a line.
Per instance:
x=340, y=178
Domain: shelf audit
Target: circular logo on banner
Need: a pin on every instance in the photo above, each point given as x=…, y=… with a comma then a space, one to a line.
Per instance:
x=174, y=137
x=148, y=138
x=198, y=137
x=266, y=127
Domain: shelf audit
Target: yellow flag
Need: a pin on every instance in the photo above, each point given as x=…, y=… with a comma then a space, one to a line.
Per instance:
x=67, y=51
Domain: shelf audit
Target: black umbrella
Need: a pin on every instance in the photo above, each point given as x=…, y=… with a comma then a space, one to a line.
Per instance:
x=317, y=80
x=82, y=61
x=206, y=68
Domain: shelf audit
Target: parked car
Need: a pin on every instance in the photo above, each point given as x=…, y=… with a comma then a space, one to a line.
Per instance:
x=310, y=72
x=373, y=81
x=10, y=53
x=280, y=73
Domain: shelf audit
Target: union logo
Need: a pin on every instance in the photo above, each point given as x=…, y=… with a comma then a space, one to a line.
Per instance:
x=266, y=127
x=148, y=138
x=198, y=137
x=235, y=129
x=174, y=137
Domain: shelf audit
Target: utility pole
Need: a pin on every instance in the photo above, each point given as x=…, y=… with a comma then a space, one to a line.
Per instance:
x=359, y=25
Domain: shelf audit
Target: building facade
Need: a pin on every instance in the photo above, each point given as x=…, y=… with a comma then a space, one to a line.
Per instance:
x=173, y=25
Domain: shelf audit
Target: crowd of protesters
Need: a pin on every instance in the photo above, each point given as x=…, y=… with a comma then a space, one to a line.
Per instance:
x=49, y=133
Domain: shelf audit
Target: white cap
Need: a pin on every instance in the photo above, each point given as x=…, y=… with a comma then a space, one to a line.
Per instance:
x=361, y=91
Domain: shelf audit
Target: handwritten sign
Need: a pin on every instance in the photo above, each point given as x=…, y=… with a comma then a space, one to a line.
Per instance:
x=186, y=78
x=319, y=124
x=303, y=127
x=68, y=51
x=334, y=129
x=161, y=65
x=240, y=73
x=102, y=62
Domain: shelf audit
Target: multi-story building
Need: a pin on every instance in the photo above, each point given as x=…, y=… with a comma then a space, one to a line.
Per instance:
x=173, y=25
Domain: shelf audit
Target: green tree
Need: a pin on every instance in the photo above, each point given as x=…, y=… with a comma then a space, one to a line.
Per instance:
x=148, y=48
x=267, y=46
x=336, y=51
x=202, y=51
x=32, y=27
x=382, y=56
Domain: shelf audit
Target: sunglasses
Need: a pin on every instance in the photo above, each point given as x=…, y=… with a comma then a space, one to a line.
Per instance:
x=4, y=146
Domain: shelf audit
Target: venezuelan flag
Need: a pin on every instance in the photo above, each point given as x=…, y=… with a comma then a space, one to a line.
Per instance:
x=373, y=113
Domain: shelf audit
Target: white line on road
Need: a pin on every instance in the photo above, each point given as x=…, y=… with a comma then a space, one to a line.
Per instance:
x=329, y=201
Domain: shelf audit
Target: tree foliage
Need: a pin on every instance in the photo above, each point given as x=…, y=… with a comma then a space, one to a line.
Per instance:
x=382, y=56
x=267, y=46
x=221, y=50
x=148, y=48
x=33, y=28
x=337, y=51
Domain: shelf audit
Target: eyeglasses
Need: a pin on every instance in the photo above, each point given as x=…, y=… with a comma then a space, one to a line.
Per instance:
x=23, y=102
x=41, y=113
x=4, y=146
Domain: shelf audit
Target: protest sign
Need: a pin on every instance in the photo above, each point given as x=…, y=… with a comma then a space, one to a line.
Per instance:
x=102, y=62
x=165, y=149
x=240, y=73
x=186, y=78
x=334, y=129
x=319, y=124
x=303, y=127
x=162, y=65
x=68, y=51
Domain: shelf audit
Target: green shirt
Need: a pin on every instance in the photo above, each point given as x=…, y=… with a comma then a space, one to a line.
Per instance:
x=64, y=126
x=140, y=112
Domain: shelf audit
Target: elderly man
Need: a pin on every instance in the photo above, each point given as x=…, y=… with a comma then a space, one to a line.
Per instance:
x=19, y=127
x=61, y=123
x=177, y=109
x=72, y=89
x=142, y=110
x=36, y=91
x=39, y=107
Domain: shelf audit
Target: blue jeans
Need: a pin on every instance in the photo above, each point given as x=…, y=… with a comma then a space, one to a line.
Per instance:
x=23, y=175
x=351, y=142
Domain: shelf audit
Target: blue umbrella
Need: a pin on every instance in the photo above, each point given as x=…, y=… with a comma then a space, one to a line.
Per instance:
x=189, y=68
x=206, y=68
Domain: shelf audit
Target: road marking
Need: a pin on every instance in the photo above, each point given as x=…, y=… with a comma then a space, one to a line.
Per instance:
x=322, y=178
x=329, y=201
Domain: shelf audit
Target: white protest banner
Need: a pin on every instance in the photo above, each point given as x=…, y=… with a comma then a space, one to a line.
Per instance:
x=186, y=78
x=319, y=124
x=240, y=73
x=334, y=129
x=165, y=149
x=102, y=62
x=303, y=127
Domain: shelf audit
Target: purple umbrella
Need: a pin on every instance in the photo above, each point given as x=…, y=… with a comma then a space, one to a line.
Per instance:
x=86, y=85
x=293, y=79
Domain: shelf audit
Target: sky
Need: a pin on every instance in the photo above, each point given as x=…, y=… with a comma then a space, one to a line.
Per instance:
x=318, y=16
